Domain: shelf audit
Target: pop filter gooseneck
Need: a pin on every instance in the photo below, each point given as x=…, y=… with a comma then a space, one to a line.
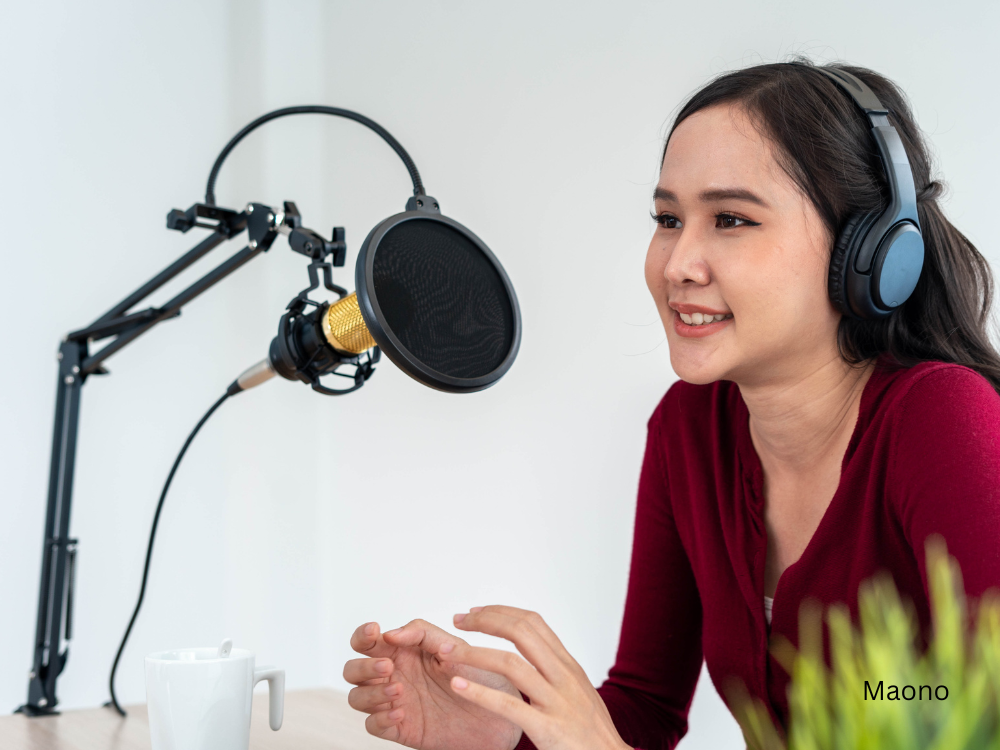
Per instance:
x=308, y=109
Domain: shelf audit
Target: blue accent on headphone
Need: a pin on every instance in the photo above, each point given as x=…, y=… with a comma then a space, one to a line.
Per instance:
x=878, y=256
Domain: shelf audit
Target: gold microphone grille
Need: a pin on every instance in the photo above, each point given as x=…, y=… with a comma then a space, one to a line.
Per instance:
x=344, y=327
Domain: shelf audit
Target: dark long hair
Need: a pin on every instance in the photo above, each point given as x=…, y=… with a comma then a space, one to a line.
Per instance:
x=824, y=143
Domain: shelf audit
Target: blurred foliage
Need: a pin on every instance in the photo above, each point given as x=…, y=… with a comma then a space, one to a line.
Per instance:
x=829, y=707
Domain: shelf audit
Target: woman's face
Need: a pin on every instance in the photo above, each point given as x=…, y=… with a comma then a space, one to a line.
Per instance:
x=736, y=237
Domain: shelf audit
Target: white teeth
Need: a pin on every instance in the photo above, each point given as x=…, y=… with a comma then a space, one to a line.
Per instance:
x=697, y=319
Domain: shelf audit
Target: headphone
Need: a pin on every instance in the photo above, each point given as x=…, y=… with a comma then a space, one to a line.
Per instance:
x=877, y=257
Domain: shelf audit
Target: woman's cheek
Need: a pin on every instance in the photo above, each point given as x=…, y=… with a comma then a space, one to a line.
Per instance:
x=653, y=270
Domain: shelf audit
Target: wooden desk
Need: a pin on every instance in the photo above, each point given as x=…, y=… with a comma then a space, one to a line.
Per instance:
x=319, y=719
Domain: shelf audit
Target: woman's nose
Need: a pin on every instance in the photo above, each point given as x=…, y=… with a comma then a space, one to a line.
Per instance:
x=686, y=261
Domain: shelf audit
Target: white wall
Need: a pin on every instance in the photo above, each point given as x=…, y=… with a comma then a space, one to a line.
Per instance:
x=296, y=518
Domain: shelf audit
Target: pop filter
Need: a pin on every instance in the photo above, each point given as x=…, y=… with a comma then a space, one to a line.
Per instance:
x=437, y=301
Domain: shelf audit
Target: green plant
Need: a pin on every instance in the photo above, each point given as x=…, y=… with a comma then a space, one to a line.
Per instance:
x=833, y=708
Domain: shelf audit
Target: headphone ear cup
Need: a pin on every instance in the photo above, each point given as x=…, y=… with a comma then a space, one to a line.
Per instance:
x=840, y=257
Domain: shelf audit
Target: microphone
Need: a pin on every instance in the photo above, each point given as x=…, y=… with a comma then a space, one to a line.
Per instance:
x=319, y=341
x=430, y=294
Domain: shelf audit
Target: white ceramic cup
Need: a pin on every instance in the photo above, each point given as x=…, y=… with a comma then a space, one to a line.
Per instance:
x=200, y=700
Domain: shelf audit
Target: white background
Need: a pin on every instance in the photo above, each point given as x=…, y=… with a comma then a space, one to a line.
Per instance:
x=295, y=518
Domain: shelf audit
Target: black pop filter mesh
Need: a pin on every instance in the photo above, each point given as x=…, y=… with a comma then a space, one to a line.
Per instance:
x=443, y=299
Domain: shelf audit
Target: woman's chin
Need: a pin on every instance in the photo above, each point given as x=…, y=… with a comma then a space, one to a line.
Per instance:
x=697, y=371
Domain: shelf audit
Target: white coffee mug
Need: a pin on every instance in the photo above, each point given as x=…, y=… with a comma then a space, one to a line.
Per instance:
x=200, y=698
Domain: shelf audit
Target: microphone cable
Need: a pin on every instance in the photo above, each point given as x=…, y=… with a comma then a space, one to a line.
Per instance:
x=152, y=537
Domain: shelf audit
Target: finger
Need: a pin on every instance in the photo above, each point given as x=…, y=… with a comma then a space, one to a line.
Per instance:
x=501, y=703
x=421, y=634
x=512, y=666
x=537, y=622
x=520, y=632
x=543, y=629
x=365, y=640
x=360, y=671
x=385, y=724
x=374, y=698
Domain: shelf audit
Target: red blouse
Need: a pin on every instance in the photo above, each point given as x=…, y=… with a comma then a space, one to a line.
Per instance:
x=924, y=457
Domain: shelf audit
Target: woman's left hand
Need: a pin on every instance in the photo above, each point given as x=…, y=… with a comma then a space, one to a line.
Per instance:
x=566, y=712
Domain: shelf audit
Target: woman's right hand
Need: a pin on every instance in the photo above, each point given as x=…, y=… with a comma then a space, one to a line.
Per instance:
x=407, y=691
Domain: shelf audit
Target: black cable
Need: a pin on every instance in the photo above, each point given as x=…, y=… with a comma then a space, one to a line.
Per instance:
x=418, y=187
x=149, y=549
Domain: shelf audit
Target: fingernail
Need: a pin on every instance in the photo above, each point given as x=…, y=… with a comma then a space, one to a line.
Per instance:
x=396, y=715
x=446, y=648
x=383, y=667
x=476, y=609
x=392, y=632
x=370, y=628
x=459, y=683
x=392, y=688
x=459, y=618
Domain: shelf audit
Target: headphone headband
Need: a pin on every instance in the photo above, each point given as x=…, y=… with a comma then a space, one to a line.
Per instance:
x=863, y=96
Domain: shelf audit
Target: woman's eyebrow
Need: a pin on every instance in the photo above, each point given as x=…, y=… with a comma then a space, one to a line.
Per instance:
x=714, y=195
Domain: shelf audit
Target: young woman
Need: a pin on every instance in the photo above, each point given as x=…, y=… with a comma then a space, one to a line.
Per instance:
x=802, y=451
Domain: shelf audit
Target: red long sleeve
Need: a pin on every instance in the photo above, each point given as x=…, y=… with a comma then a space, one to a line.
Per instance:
x=924, y=458
x=950, y=421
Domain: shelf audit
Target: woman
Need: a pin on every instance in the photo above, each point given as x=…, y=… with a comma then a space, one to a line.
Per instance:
x=802, y=451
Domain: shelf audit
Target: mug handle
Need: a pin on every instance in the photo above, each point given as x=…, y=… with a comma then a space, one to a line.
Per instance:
x=275, y=693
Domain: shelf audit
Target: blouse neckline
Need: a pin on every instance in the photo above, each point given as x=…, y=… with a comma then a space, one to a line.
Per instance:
x=753, y=470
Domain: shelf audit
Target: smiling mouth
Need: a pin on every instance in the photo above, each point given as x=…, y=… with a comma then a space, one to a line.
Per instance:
x=700, y=319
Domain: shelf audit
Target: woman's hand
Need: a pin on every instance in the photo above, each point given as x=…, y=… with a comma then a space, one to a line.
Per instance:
x=566, y=712
x=405, y=687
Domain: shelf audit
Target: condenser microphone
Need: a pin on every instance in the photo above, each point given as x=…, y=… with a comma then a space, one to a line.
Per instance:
x=310, y=345
x=429, y=294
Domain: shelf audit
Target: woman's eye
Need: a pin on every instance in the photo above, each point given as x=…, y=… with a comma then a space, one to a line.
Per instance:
x=668, y=221
x=728, y=221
